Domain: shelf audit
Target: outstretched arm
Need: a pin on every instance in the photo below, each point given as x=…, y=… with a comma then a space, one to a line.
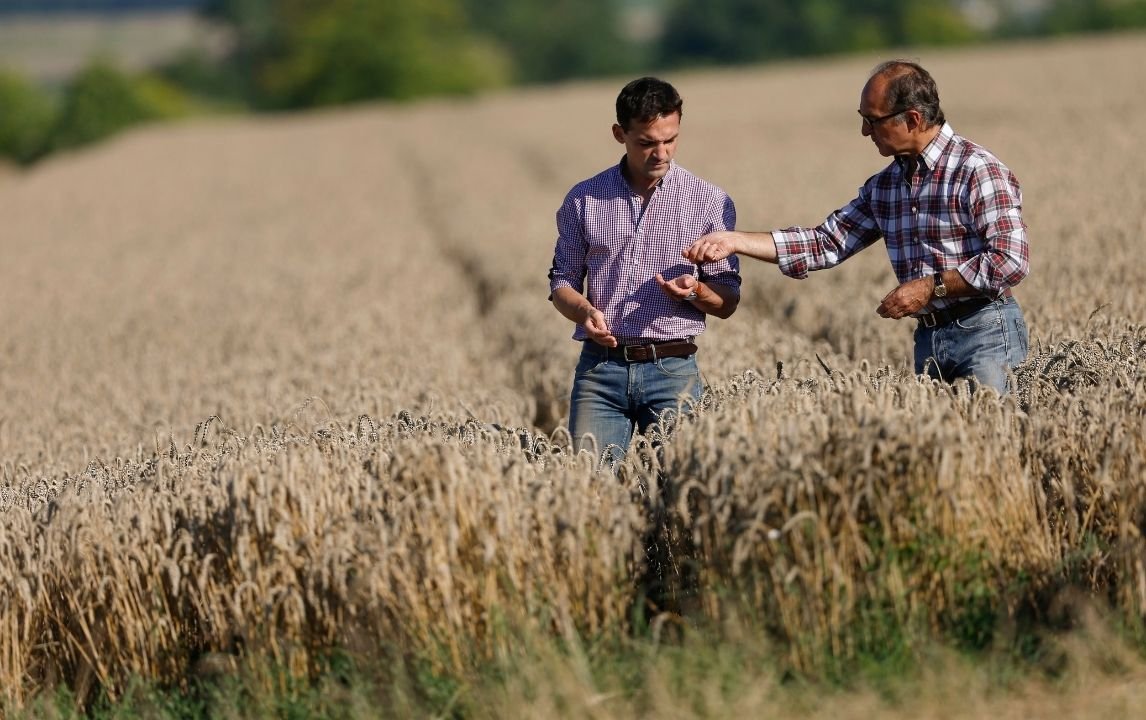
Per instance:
x=722, y=243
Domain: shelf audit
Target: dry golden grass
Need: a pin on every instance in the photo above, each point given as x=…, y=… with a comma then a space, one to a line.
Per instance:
x=282, y=384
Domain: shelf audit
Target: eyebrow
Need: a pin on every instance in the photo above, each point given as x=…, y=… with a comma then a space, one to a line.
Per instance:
x=651, y=141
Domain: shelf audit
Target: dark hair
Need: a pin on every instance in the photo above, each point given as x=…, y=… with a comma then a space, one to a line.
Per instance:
x=910, y=87
x=646, y=99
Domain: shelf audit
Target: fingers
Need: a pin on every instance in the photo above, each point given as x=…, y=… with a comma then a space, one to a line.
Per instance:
x=708, y=248
x=598, y=330
x=678, y=288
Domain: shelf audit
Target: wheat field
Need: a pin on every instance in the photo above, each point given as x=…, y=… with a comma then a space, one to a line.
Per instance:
x=283, y=384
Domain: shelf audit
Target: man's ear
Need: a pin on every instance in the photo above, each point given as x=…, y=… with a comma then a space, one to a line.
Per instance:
x=914, y=119
x=618, y=133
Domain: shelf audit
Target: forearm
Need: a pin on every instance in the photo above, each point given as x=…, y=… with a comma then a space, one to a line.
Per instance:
x=572, y=304
x=716, y=300
x=759, y=245
x=957, y=285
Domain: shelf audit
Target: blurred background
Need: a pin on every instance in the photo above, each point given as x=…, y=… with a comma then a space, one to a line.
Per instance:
x=75, y=71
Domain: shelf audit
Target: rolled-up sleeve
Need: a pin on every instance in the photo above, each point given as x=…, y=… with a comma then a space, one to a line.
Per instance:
x=995, y=202
x=844, y=233
x=726, y=272
x=568, y=269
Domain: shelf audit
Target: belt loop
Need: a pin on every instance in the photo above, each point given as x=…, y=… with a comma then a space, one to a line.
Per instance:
x=653, y=349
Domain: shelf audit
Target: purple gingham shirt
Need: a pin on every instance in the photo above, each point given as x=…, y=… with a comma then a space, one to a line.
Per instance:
x=962, y=209
x=606, y=236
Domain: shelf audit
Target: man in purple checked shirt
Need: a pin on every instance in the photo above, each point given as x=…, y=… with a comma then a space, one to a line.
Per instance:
x=619, y=274
x=950, y=214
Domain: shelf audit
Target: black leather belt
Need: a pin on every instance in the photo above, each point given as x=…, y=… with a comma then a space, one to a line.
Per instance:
x=645, y=352
x=948, y=315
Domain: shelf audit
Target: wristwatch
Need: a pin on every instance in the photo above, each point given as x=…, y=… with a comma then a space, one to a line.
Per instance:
x=940, y=288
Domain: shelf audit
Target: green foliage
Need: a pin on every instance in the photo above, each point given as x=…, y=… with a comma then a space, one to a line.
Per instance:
x=198, y=74
x=25, y=115
x=935, y=22
x=301, y=54
x=99, y=102
x=732, y=31
x=1065, y=16
x=557, y=40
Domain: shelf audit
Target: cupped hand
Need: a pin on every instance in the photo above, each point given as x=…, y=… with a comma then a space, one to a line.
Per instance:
x=678, y=288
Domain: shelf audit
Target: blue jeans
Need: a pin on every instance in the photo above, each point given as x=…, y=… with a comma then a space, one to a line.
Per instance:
x=612, y=397
x=983, y=345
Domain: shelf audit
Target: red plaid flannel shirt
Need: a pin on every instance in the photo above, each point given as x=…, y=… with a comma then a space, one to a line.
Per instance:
x=962, y=209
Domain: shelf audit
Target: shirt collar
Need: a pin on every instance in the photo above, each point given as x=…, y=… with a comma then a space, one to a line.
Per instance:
x=935, y=149
x=938, y=146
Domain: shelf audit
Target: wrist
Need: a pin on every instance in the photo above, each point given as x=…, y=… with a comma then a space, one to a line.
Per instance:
x=938, y=289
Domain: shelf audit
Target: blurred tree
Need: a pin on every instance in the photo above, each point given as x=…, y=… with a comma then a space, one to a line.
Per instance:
x=935, y=22
x=297, y=53
x=25, y=115
x=734, y=31
x=721, y=31
x=98, y=102
x=1066, y=16
x=101, y=100
x=559, y=39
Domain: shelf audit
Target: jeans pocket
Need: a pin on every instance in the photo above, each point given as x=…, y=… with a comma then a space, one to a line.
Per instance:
x=678, y=367
x=589, y=363
x=982, y=319
x=1023, y=337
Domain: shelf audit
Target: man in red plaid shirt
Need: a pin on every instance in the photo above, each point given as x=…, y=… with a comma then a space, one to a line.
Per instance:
x=950, y=214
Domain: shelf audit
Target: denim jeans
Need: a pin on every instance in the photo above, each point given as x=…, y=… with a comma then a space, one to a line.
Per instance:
x=983, y=345
x=612, y=397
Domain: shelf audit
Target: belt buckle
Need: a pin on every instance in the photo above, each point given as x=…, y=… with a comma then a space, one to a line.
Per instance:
x=929, y=320
x=652, y=348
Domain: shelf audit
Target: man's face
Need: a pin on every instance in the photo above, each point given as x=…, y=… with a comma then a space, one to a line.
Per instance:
x=649, y=147
x=890, y=134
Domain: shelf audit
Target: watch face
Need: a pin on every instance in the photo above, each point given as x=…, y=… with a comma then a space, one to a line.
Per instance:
x=940, y=288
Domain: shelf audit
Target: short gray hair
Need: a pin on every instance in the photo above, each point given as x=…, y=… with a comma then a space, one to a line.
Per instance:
x=910, y=87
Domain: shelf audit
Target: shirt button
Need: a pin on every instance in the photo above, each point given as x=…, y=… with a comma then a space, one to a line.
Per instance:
x=914, y=208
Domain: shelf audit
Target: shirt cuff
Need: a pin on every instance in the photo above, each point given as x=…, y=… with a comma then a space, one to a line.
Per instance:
x=791, y=261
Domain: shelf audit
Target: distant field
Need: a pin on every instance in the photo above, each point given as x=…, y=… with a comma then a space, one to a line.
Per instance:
x=295, y=381
x=50, y=48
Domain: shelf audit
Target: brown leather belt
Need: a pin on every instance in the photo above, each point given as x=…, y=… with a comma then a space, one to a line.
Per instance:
x=949, y=315
x=645, y=352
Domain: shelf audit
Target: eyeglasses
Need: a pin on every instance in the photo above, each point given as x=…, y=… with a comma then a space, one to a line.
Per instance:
x=871, y=122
